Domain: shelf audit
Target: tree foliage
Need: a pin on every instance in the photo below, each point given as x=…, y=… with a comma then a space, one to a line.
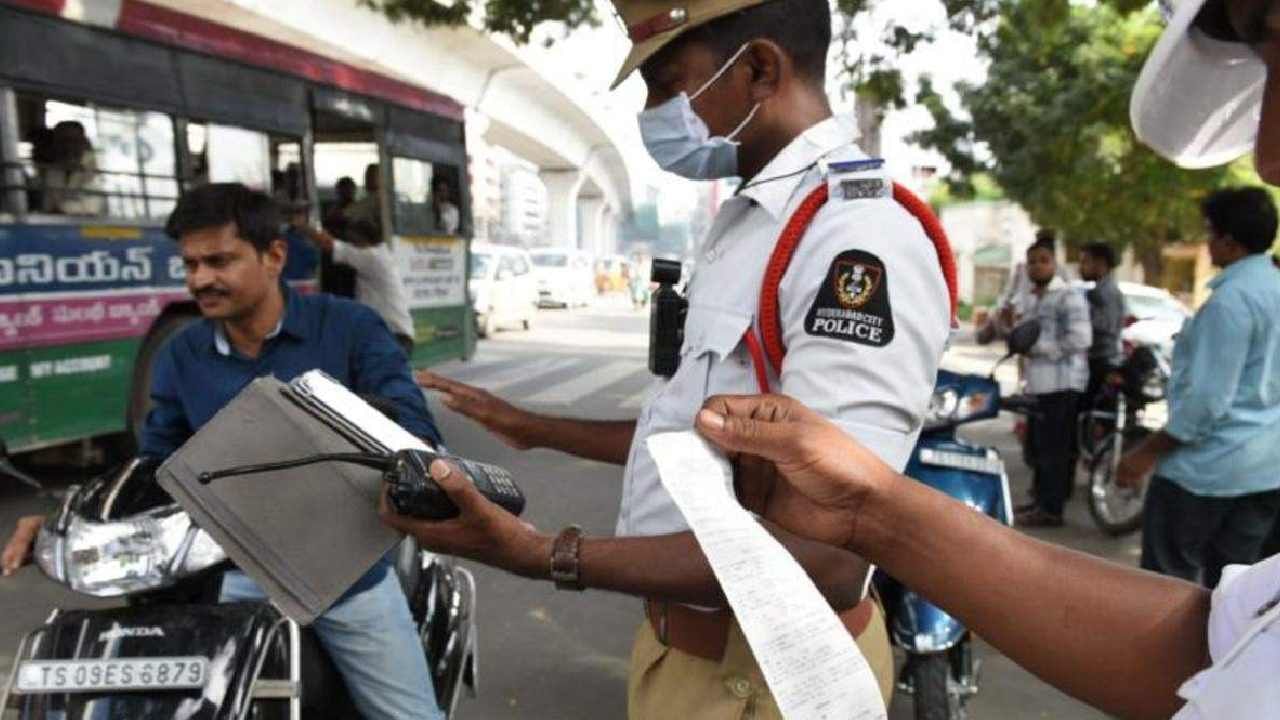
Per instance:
x=516, y=18
x=1051, y=127
x=871, y=41
x=868, y=57
x=870, y=62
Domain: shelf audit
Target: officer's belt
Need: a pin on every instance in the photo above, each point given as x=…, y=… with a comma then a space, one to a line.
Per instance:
x=706, y=634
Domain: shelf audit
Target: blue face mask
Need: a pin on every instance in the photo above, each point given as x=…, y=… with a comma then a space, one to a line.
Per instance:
x=680, y=141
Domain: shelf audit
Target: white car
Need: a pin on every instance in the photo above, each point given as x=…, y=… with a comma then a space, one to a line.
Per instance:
x=1152, y=316
x=502, y=287
x=564, y=276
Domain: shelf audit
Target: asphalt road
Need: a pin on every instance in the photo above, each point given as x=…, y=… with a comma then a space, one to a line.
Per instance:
x=551, y=655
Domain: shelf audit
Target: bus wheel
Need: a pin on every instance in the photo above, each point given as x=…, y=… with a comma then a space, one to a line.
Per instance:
x=140, y=393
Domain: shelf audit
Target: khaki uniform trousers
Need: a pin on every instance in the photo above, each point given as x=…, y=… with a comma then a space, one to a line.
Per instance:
x=667, y=684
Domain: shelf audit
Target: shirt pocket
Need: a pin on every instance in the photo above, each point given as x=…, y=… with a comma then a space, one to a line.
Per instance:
x=711, y=363
x=716, y=336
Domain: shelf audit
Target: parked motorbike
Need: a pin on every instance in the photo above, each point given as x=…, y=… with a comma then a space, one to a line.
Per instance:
x=941, y=673
x=1128, y=412
x=172, y=651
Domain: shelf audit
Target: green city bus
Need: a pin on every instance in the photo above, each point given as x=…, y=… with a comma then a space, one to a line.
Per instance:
x=90, y=287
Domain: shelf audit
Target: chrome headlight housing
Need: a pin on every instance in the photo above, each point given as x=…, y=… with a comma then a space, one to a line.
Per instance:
x=949, y=406
x=943, y=407
x=148, y=551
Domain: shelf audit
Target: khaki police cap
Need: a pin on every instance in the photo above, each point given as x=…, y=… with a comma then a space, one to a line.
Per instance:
x=652, y=24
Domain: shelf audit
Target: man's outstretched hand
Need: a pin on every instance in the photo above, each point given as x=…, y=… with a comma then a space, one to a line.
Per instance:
x=508, y=422
x=824, y=477
x=17, y=552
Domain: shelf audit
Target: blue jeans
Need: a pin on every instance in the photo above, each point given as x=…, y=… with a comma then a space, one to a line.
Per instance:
x=371, y=639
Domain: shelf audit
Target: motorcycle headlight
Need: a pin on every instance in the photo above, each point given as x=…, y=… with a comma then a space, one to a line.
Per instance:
x=148, y=551
x=949, y=407
x=943, y=407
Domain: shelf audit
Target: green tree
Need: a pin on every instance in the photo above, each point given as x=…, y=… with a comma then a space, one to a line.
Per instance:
x=1051, y=126
x=871, y=41
x=870, y=44
x=516, y=18
x=868, y=54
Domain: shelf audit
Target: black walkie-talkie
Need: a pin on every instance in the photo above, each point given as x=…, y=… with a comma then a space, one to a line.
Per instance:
x=667, y=313
x=411, y=489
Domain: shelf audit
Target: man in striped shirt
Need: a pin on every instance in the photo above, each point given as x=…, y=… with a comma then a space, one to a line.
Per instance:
x=1057, y=372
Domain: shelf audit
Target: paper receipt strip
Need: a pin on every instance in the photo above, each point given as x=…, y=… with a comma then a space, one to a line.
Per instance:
x=813, y=666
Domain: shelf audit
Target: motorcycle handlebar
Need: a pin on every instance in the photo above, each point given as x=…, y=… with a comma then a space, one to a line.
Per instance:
x=1020, y=404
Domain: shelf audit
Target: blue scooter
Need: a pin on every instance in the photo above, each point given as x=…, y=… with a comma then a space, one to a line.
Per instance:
x=941, y=673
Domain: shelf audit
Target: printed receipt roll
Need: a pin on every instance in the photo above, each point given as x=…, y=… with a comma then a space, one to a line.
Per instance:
x=813, y=666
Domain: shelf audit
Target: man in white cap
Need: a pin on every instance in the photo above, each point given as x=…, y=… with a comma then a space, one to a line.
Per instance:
x=1212, y=85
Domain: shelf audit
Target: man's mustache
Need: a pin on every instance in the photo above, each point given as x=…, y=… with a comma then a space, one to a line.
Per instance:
x=210, y=293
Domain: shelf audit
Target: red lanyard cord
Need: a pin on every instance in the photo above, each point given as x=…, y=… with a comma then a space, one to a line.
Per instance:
x=772, y=350
x=757, y=360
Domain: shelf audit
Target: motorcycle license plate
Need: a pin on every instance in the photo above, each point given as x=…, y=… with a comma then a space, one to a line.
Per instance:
x=116, y=675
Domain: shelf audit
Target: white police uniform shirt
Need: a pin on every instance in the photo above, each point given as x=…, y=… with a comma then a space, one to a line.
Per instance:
x=872, y=375
x=1244, y=643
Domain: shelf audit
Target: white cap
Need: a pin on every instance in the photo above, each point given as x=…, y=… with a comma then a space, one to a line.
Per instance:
x=1198, y=100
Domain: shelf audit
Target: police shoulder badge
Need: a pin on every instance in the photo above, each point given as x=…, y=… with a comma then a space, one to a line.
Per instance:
x=853, y=302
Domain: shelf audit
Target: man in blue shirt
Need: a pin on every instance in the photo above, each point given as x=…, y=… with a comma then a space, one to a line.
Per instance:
x=253, y=326
x=1216, y=490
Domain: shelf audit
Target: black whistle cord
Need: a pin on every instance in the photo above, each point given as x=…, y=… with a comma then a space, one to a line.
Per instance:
x=377, y=462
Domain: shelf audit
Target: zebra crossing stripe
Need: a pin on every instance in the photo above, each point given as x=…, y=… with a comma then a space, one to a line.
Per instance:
x=524, y=370
x=584, y=384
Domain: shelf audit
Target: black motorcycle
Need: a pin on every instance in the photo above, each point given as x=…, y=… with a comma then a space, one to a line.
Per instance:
x=1126, y=413
x=173, y=651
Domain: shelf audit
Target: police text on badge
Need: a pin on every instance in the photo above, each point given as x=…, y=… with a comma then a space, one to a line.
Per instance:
x=853, y=302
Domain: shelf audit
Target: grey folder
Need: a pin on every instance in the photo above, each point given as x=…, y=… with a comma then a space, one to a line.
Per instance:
x=306, y=535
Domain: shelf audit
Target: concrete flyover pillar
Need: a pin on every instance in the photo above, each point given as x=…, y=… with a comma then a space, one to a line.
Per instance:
x=609, y=230
x=592, y=221
x=562, y=186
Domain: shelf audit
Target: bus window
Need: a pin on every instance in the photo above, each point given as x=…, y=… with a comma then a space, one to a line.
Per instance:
x=260, y=161
x=197, y=154
x=288, y=182
x=86, y=160
x=346, y=164
x=345, y=161
x=446, y=200
x=225, y=153
x=426, y=198
x=411, y=205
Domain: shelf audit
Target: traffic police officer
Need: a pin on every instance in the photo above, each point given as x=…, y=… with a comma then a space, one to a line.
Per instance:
x=736, y=88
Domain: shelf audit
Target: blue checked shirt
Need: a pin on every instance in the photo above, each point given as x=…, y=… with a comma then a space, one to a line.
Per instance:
x=1060, y=359
x=1224, y=396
